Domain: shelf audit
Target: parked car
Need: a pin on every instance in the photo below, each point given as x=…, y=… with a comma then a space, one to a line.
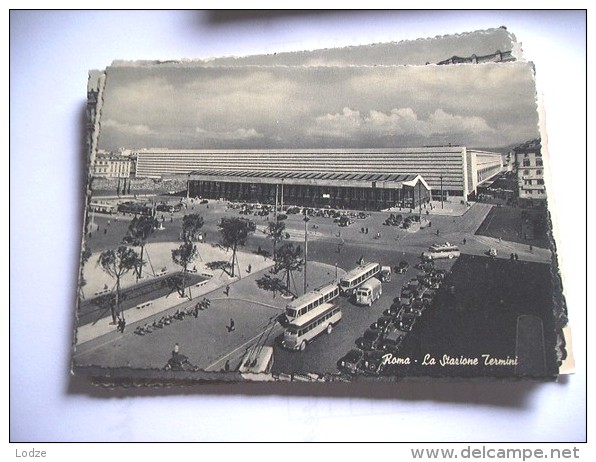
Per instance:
x=392, y=341
x=406, y=321
x=370, y=340
x=402, y=267
x=372, y=363
x=393, y=310
x=416, y=308
x=428, y=297
x=383, y=323
x=350, y=362
x=406, y=296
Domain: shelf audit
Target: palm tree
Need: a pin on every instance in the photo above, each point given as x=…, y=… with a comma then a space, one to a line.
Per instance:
x=117, y=263
x=289, y=259
x=139, y=231
x=234, y=232
x=183, y=256
x=191, y=226
x=276, y=231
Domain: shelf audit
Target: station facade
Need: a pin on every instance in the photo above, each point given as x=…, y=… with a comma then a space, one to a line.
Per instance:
x=351, y=178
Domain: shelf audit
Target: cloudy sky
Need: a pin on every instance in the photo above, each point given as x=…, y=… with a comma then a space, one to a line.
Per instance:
x=174, y=106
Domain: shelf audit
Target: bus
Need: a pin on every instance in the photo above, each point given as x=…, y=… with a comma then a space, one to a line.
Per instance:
x=353, y=278
x=438, y=251
x=310, y=300
x=305, y=328
x=135, y=208
x=368, y=292
x=103, y=207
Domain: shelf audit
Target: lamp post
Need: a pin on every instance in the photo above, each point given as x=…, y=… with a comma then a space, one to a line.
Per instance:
x=306, y=219
x=419, y=198
x=441, y=177
x=188, y=189
x=282, y=194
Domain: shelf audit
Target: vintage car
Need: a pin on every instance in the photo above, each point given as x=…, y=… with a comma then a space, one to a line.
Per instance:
x=350, y=362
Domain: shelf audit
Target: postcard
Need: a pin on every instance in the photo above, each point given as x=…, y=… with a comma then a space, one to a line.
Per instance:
x=300, y=221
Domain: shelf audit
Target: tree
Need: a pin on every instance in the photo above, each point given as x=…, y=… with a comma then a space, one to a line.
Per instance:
x=289, y=259
x=117, y=263
x=191, y=226
x=234, y=232
x=183, y=256
x=276, y=231
x=139, y=231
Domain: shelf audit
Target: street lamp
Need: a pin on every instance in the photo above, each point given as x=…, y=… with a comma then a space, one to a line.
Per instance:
x=441, y=177
x=306, y=219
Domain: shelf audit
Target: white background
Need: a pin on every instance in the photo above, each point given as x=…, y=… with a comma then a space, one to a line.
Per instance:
x=50, y=54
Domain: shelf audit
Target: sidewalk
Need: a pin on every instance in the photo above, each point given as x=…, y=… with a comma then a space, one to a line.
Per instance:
x=450, y=208
x=242, y=288
x=160, y=254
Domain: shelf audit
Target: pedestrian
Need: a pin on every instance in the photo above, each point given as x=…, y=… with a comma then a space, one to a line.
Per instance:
x=108, y=222
x=438, y=232
x=516, y=257
x=176, y=350
x=231, y=328
x=249, y=268
x=105, y=231
x=227, y=291
x=227, y=365
x=531, y=249
x=464, y=241
x=122, y=324
x=512, y=257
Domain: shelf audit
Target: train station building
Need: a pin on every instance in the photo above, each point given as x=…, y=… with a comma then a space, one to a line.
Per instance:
x=367, y=179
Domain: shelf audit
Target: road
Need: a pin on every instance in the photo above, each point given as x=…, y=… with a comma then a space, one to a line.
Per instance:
x=208, y=342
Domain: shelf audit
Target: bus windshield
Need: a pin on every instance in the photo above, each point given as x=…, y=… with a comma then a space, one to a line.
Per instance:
x=291, y=312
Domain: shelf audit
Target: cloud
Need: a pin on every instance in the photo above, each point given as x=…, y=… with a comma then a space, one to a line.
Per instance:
x=128, y=129
x=317, y=106
x=235, y=135
x=398, y=121
x=441, y=122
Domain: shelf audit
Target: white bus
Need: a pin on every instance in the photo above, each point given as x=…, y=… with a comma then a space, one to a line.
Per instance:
x=438, y=251
x=368, y=292
x=305, y=328
x=310, y=300
x=353, y=278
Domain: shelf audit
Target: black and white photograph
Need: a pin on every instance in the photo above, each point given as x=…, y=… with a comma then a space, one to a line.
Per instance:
x=297, y=226
x=318, y=223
